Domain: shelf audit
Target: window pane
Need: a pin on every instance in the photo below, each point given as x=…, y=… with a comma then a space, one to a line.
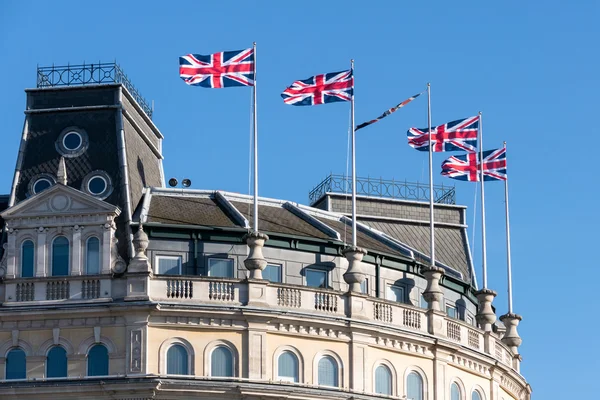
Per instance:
x=27, y=259
x=316, y=278
x=221, y=268
x=364, y=286
x=288, y=367
x=475, y=395
x=56, y=363
x=272, y=273
x=93, y=256
x=395, y=293
x=454, y=392
x=328, y=372
x=15, y=364
x=169, y=265
x=221, y=362
x=383, y=380
x=97, y=362
x=422, y=302
x=451, y=311
x=60, y=256
x=177, y=360
x=414, y=386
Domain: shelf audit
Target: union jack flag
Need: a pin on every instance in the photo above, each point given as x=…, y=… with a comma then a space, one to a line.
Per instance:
x=219, y=70
x=455, y=135
x=466, y=167
x=320, y=89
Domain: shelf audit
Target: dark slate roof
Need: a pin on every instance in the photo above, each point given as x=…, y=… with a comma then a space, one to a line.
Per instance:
x=450, y=242
x=279, y=220
x=187, y=211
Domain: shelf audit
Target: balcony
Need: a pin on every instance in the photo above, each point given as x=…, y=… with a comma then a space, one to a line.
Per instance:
x=382, y=316
x=84, y=288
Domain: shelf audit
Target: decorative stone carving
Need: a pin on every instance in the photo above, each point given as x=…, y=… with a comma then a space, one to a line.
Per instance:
x=140, y=243
x=355, y=275
x=485, y=314
x=61, y=174
x=3, y=260
x=433, y=293
x=255, y=263
x=511, y=338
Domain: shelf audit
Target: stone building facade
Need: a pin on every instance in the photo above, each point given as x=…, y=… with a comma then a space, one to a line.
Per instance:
x=115, y=287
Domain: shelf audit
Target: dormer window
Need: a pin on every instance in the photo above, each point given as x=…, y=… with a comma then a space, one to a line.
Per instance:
x=40, y=182
x=72, y=142
x=98, y=184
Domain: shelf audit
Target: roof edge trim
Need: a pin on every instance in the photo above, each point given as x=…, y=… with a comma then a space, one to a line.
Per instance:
x=326, y=229
x=237, y=216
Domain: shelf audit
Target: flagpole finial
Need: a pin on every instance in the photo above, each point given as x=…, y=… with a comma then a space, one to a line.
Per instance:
x=504, y=143
x=253, y=43
x=480, y=113
x=428, y=84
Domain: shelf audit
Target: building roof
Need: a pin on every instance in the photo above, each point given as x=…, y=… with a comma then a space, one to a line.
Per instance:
x=391, y=236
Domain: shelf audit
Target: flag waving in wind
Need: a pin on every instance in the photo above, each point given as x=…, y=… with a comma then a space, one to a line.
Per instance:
x=455, y=135
x=388, y=112
x=320, y=89
x=467, y=167
x=219, y=70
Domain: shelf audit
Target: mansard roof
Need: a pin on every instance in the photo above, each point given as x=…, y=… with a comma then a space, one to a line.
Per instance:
x=230, y=211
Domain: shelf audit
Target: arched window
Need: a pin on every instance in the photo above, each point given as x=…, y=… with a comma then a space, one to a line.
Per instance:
x=455, y=392
x=221, y=362
x=97, y=361
x=177, y=360
x=15, y=364
x=92, y=258
x=414, y=386
x=328, y=372
x=56, y=363
x=27, y=251
x=383, y=380
x=475, y=395
x=288, y=367
x=60, y=256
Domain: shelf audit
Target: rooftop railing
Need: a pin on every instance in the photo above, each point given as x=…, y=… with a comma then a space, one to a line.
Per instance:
x=89, y=74
x=383, y=188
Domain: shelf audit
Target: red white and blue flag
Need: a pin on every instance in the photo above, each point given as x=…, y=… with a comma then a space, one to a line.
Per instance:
x=219, y=70
x=320, y=89
x=456, y=135
x=466, y=167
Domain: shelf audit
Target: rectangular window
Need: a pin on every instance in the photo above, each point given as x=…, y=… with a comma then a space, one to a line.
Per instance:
x=316, y=278
x=220, y=267
x=470, y=320
x=451, y=311
x=395, y=293
x=364, y=286
x=168, y=265
x=272, y=273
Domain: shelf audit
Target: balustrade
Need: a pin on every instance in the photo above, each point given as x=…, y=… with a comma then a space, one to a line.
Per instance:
x=25, y=291
x=90, y=289
x=453, y=331
x=382, y=312
x=180, y=289
x=288, y=297
x=326, y=302
x=222, y=291
x=58, y=290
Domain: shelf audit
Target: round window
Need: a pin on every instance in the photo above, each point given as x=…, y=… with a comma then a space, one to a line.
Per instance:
x=97, y=185
x=72, y=141
x=41, y=184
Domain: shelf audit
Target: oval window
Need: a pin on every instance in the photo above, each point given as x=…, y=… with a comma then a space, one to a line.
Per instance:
x=72, y=141
x=41, y=184
x=97, y=185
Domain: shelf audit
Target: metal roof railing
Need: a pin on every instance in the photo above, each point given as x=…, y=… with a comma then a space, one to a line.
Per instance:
x=89, y=74
x=391, y=189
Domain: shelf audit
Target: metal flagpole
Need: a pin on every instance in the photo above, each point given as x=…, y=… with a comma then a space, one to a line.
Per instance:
x=483, y=250
x=508, y=262
x=353, y=160
x=431, y=223
x=255, y=148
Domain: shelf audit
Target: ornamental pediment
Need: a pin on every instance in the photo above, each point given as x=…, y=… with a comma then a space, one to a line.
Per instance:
x=59, y=200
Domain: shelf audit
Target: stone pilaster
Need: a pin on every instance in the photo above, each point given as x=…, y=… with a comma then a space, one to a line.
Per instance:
x=354, y=275
x=40, y=256
x=76, y=259
x=485, y=314
x=255, y=263
x=11, y=251
x=433, y=293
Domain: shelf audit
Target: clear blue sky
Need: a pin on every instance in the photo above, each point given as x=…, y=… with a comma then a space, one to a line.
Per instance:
x=531, y=67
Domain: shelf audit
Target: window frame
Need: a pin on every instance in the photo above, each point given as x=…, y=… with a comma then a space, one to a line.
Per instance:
x=393, y=376
x=233, y=363
x=460, y=386
x=158, y=257
x=280, y=266
x=208, y=267
x=278, y=352
x=22, y=258
x=313, y=269
x=420, y=373
x=16, y=348
x=187, y=358
x=87, y=357
x=389, y=286
x=87, y=241
x=451, y=305
x=340, y=367
x=47, y=363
